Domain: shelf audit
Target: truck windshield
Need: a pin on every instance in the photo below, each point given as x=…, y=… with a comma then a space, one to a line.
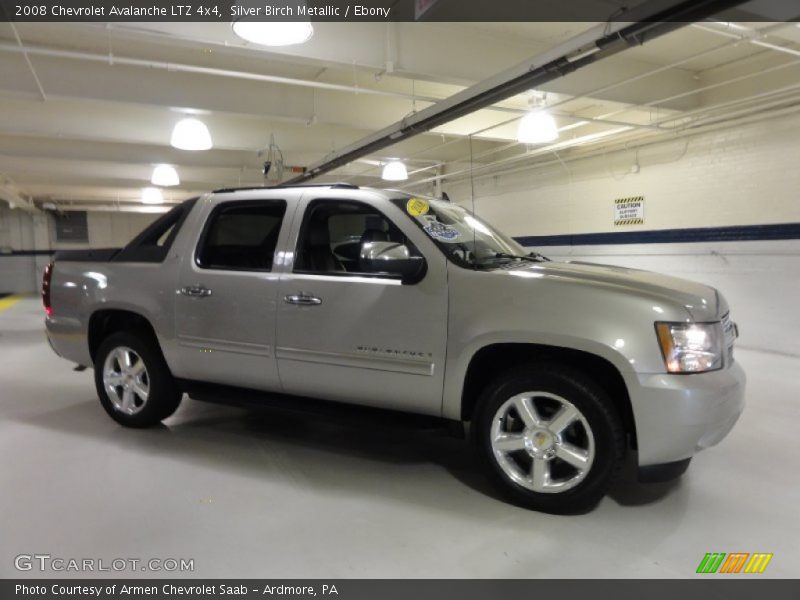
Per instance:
x=465, y=238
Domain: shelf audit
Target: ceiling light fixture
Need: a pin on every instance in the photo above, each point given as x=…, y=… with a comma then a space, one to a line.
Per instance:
x=538, y=126
x=278, y=33
x=395, y=170
x=165, y=176
x=191, y=134
x=281, y=30
x=152, y=196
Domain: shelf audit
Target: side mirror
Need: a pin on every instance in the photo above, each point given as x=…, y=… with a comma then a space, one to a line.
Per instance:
x=392, y=258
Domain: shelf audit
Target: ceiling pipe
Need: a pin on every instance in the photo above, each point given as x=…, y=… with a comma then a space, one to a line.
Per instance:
x=29, y=63
x=652, y=20
x=9, y=194
x=746, y=34
x=37, y=50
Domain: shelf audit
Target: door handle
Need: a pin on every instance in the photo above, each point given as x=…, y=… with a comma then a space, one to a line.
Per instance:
x=302, y=299
x=195, y=291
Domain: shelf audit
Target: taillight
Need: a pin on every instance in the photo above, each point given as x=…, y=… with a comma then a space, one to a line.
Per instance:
x=48, y=275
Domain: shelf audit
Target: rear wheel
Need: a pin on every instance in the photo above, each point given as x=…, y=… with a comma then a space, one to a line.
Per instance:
x=550, y=438
x=133, y=381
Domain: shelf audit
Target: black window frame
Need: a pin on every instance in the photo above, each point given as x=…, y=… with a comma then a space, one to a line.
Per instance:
x=309, y=209
x=235, y=204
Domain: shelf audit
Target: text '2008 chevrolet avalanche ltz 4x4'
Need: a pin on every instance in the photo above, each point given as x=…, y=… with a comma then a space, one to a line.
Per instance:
x=414, y=304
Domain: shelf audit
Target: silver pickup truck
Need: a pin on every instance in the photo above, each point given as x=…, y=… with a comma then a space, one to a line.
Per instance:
x=413, y=304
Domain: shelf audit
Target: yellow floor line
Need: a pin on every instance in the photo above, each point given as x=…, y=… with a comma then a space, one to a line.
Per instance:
x=8, y=302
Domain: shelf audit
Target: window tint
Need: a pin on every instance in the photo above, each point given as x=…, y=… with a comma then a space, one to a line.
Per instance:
x=242, y=236
x=333, y=233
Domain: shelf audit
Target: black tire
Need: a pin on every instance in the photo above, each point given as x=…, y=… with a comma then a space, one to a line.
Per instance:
x=598, y=412
x=163, y=396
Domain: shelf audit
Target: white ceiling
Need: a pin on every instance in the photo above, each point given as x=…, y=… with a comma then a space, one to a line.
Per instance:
x=82, y=125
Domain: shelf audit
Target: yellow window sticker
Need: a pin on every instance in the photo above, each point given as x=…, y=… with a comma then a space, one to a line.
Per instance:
x=417, y=207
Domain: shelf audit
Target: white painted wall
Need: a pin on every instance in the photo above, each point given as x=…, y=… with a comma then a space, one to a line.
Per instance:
x=20, y=230
x=739, y=176
x=760, y=280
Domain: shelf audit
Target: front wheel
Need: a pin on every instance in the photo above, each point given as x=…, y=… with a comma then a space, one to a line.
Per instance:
x=550, y=438
x=133, y=381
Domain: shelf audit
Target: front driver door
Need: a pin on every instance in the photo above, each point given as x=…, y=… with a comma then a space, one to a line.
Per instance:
x=354, y=337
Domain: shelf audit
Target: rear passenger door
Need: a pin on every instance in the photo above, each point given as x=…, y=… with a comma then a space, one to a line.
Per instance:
x=227, y=290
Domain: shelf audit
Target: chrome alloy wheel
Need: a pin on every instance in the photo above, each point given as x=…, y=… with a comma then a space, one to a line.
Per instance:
x=126, y=380
x=542, y=442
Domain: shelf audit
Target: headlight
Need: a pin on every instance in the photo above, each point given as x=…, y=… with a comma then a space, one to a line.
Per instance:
x=691, y=347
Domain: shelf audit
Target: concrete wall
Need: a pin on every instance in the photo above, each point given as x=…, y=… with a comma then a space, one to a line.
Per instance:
x=26, y=238
x=744, y=175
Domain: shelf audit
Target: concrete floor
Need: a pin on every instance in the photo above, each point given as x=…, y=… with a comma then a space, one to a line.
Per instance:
x=271, y=495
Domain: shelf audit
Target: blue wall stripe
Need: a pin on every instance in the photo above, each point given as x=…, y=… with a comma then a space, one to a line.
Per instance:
x=736, y=233
x=27, y=253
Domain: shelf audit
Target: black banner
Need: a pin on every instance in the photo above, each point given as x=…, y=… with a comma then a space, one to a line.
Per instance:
x=734, y=588
x=376, y=10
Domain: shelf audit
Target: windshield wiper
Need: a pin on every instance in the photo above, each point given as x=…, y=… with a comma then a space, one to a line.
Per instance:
x=532, y=257
x=541, y=257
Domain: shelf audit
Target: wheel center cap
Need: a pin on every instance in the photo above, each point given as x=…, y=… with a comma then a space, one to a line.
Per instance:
x=539, y=441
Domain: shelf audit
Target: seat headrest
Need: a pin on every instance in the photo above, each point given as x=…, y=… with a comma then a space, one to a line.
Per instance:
x=318, y=234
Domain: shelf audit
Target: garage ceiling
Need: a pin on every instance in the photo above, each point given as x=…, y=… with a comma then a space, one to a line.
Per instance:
x=80, y=124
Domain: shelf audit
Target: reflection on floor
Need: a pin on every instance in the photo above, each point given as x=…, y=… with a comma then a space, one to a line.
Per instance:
x=277, y=495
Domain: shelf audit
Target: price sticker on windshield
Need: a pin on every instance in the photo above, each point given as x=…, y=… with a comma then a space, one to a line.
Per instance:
x=417, y=207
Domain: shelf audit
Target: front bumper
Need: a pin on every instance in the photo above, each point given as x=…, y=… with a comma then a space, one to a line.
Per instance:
x=677, y=415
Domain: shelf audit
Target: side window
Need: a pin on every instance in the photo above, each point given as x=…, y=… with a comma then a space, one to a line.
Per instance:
x=333, y=233
x=241, y=236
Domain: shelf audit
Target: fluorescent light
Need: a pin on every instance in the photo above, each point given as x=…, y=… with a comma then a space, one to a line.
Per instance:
x=277, y=33
x=191, y=134
x=152, y=196
x=165, y=176
x=395, y=171
x=537, y=127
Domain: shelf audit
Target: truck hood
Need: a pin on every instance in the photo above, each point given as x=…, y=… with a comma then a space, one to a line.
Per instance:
x=703, y=302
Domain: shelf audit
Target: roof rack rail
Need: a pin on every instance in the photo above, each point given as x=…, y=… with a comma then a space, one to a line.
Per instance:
x=340, y=185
